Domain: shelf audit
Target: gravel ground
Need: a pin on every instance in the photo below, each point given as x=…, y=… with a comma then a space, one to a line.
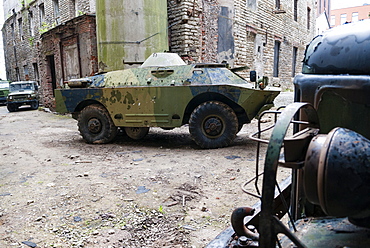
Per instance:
x=162, y=191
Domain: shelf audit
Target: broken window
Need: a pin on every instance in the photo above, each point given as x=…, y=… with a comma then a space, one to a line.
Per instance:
x=20, y=26
x=42, y=14
x=30, y=23
x=56, y=11
x=276, y=58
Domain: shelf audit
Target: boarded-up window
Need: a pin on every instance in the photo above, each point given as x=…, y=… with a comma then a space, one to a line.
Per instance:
x=71, y=63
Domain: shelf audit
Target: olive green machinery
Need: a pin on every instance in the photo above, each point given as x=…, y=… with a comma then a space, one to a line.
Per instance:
x=326, y=199
x=165, y=92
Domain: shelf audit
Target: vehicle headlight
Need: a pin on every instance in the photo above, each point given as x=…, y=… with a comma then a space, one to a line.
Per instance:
x=29, y=96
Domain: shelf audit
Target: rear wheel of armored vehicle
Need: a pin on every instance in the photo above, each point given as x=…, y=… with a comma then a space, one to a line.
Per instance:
x=213, y=125
x=12, y=107
x=35, y=105
x=136, y=133
x=95, y=125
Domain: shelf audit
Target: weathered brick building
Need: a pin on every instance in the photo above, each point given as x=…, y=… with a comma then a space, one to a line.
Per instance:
x=269, y=36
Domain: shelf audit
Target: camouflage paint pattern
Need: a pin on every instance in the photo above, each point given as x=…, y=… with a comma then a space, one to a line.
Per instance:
x=166, y=96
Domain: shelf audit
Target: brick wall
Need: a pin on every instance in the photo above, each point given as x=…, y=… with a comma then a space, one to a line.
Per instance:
x=250, y=29
x=71, y=50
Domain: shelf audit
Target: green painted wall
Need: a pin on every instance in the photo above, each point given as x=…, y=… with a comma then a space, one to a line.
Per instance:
x=129, y=31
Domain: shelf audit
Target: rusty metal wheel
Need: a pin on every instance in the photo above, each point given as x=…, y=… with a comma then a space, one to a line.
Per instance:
x=95, y=125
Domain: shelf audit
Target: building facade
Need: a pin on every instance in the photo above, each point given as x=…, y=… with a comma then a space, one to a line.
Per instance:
x=348, y=15
x=269, y=36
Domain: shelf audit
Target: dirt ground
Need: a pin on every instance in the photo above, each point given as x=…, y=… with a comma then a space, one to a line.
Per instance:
x=162, y=191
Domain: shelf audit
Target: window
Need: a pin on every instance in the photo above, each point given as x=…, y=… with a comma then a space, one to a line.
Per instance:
x=308, y=18
x=25, y=71
x=17, y=74
x=30, y=23
x=42, y=14
x=294, y=60
x=13, y=33
x=36, y=71
x=276, y=58
x=74, y=8
x=277, y=4
x=343, y=18
x=354, y=16
x=295, y=10
x=20, y=26
x=332, y=20
x=56, y=11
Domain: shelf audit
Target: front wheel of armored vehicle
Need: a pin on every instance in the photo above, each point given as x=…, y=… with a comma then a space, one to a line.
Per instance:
x=213, y=125
x=136, y=133
x=95, y=125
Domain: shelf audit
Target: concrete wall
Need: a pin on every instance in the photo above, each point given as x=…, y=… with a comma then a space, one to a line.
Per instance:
x=130, y=31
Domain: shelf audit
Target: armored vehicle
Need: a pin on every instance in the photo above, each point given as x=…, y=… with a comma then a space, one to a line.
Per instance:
x=22, y=93
x=4, y=90
x=326, y=200
x=165, y=92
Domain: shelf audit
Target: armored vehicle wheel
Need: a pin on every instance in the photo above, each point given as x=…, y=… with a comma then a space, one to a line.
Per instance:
x=12, y=107
x=95, y=125
x=213, y=125
x=35, y=105
x=136, y=133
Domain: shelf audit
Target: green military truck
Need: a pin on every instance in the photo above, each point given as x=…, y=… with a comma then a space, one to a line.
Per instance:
x=22, y=93
x=165, y=92
x=4, y=91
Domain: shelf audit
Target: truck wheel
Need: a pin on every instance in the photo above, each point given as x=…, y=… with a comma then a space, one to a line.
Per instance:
x=213, y=125
x=12, y=107
x=95, y=125
x=35, y=105
x=136, y=133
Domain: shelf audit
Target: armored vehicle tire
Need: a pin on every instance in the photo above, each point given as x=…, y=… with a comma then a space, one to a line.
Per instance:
x=213, y=125
x=35, y=105
x=136, y=133
x=12, y=107
x=95, y=125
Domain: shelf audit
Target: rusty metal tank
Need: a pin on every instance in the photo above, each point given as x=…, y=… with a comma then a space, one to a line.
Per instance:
x=336, y=77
